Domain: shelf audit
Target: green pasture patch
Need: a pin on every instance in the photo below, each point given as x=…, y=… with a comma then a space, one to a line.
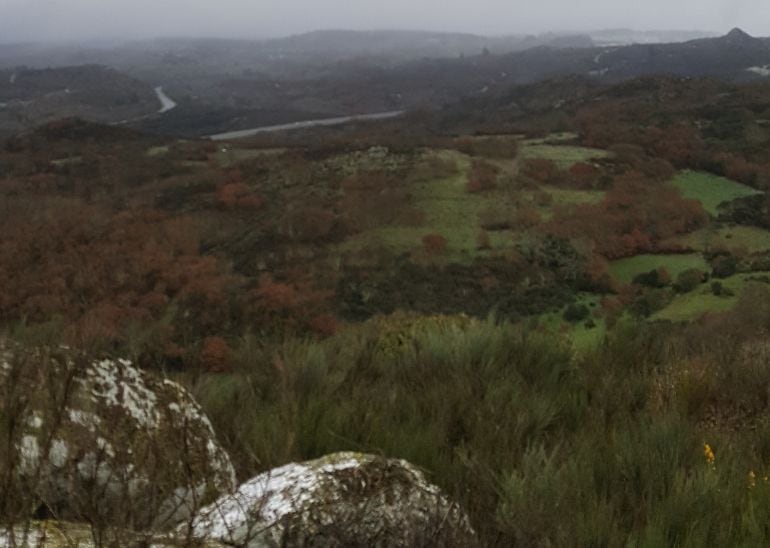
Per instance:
x=67, y=161
x=565, y=196
x=157, y=151
x=450, y=211
x=582, y=336
x=462, y=241
x=552, y=138
x=565, y=156
x=710, y=190
x=625, y=270
x=749, y=238
x=227, y=157
x=691, y=306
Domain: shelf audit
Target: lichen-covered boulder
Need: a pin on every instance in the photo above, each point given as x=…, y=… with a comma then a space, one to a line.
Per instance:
x=103, y=442
x=345, y=499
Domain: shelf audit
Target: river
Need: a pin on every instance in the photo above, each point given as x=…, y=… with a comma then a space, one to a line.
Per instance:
x=240, y=134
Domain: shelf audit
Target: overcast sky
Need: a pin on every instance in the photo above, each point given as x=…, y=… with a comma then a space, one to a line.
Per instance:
x=68, y=19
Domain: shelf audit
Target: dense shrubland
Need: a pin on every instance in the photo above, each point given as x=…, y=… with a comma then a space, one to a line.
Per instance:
x=658, y=436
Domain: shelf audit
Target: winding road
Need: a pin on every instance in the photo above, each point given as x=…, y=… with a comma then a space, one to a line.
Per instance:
x=240, y=134
x=166, y=102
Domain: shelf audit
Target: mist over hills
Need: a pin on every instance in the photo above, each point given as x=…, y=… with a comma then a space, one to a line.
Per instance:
x=223, y=85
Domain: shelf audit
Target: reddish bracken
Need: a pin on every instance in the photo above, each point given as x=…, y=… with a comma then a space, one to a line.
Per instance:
x=216, y=355
x=435, y=244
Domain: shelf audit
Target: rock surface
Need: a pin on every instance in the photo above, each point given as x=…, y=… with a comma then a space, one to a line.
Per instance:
x=102, y=441
x=345, y=499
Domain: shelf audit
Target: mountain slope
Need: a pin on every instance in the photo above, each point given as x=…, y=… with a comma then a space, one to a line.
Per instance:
x=29, y=97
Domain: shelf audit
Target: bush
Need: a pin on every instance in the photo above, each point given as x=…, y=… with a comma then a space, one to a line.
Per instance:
x=576, y=313
x=434, y=244
x=543, y=171
x=215, y=356
x=482, y=176
x=656, y=278
x=689, y=280
x=717, y=288
x=651, y=301
x=724, y=266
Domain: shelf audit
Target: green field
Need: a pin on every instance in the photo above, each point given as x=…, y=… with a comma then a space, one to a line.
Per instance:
x=158, y=151
x=624, y=270
x=691, y=306
x=710, y=190
x=580, y=336
x=450, y=210
x=564, y=156
x=748, y=238
x=565, y=196
x=552, y=138
x=227, y=157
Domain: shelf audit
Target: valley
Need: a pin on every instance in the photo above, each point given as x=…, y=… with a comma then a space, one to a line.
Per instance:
x=516, y=289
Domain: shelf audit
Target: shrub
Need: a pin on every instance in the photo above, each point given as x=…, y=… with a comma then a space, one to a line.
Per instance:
x=543, y=171
x=584, y=175
x=482, y=176
x=482, y=240
x=651, y=301
x=689, y=280
x=658, y=278
x=576, y=313
x=215, y=355
x=434, y=244
x=724, y=266
x=496, y=147
x=525, y=217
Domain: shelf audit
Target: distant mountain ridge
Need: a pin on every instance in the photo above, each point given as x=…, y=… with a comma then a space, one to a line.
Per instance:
x=625, y=37
x=225, y=85
x=419, y=43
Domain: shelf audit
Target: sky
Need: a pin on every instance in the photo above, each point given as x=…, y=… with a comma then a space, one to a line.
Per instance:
x=32, y=20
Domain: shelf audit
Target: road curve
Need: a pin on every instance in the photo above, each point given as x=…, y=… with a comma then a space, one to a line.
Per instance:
x=166, y=103
x=240, y=134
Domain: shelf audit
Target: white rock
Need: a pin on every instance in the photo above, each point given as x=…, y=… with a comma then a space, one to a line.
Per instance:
x=340, y=500
x=106, y=431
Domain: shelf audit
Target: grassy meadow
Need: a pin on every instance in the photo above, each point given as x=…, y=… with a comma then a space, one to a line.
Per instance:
x=710, y=190
x=624, y=270
x=747, y=239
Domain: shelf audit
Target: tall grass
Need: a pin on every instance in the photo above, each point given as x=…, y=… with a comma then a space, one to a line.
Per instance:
x=542, y=448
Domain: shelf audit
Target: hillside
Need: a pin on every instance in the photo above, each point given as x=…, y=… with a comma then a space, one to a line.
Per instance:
x=360, y=86
x=30, y=97
x=223, y=85
x=551, y=297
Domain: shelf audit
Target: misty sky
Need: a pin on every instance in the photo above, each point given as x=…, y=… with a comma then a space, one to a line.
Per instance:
x=22, y=20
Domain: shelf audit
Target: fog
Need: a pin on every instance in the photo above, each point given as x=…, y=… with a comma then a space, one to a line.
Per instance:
x=31, y=20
